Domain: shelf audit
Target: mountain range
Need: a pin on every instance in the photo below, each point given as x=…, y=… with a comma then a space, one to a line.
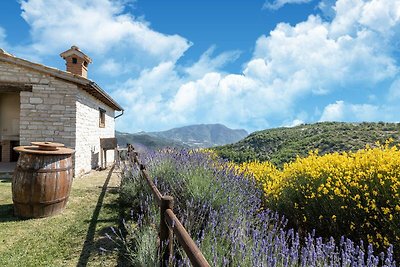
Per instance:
x=192, y=136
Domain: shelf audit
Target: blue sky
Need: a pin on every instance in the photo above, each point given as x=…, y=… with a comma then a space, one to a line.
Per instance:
x=246, y=64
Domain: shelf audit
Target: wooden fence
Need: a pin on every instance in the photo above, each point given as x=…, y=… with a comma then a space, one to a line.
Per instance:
x=169, y=223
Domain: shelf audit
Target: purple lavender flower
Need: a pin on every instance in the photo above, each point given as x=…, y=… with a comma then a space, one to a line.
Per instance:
x=223, y=211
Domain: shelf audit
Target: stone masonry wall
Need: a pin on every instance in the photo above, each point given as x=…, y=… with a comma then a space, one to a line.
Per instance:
x=88, y=132
x=58, y=111
x=48, y=112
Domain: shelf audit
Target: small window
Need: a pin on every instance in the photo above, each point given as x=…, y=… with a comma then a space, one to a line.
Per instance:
x=85, y=64
x=102, y=118
x=74, y=60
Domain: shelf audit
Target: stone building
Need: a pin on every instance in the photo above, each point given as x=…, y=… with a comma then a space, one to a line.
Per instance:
x=40, y=103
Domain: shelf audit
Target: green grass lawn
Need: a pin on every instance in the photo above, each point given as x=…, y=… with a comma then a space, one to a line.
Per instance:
x=72, y=238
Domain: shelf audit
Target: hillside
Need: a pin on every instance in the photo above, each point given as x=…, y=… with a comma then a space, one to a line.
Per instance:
x=282, y=145
x=143, y=139
x=202, y=135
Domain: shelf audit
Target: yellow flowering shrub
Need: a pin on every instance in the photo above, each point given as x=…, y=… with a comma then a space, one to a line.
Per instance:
x=265, y=173
x=354, y=194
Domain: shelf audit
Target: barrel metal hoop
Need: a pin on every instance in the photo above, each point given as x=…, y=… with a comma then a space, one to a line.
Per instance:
x=43, y=202
x=19, y=168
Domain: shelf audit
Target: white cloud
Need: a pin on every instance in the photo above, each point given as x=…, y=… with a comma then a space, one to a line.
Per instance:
x=314, y=58
x=333, y=112
x=342, y=111
x=111, y=67
x=351, y=53
x=294, y=123
x=161, y=79
x=326, y=62
x=326, y=7
x=144, y=98
x=235, y=100
x=3, y=35
x=178, y=94
x=346, y=20
x=97, y=27
x=277, y=4
x=207, y=63
x=394, y=91
x=381, y=15
x=376, y=15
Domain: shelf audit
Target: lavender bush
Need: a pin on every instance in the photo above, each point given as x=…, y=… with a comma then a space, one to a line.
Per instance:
x=223, y=212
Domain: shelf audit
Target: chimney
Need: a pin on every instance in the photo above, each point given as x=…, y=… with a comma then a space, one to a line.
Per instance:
x=76, y=61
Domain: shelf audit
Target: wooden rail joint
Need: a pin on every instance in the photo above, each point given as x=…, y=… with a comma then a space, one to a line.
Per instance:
x=194, y=254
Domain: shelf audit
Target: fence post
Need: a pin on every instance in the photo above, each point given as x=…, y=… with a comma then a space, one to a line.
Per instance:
x=129, y=150
x=166, y=234
x=132, y=154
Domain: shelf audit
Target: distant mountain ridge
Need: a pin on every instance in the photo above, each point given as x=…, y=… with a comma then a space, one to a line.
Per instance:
x=201, y=135
x=281, y=145
x=143, y=139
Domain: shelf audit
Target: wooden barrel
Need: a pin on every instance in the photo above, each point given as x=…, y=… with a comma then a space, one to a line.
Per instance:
x=42, y=180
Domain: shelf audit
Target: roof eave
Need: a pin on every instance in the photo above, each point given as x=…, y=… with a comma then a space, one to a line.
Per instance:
x=67, y=76
x=106, y=97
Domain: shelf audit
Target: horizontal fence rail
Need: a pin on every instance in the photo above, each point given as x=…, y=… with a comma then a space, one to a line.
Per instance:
x=169, y=223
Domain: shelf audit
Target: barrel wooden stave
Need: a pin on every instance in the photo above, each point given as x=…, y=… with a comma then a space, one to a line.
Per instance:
x=41, y=184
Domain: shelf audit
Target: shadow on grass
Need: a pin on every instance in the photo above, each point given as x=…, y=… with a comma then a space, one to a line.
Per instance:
x=7, y=213
x=90, y=245
x=5, y=181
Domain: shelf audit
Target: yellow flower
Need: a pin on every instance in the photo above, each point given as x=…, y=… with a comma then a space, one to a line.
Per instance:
x=353, y=186
x=386, y=210
x=337, y=191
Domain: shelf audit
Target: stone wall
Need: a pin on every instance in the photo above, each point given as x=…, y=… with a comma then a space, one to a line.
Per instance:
x=48, y=112
x=89, y=132
x=58, y=111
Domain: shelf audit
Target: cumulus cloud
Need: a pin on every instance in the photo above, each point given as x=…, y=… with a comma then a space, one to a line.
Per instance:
x=342, y=111
x=98, y=27
x=326, y=7
x=111, y=67
x=294, y=123
x=394, y=91
x=178, y=94
x=207, y=63
x=277, y=4
x=314, y=59
x=2, y=38
x=326, y=62
x=352, y=16
x=333, y=112
x=294, y=70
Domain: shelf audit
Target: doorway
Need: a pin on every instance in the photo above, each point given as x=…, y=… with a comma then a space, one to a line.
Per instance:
x=9, y=125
